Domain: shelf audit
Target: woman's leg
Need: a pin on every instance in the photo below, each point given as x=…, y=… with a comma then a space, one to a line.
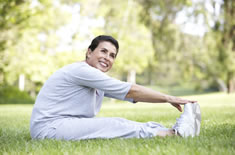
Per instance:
x=164, y=133
x=91, y=128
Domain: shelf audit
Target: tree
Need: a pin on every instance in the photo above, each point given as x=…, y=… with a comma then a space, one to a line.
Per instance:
x=29, y=45
x=167, y=40
x=132, y=34
x=13, y=16
x=227, y=45
x=221, y=42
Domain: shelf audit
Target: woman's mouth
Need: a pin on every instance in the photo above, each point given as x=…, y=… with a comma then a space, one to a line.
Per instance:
x=103, y=64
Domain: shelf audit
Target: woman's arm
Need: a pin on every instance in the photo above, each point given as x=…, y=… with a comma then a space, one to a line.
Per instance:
x=143, y=94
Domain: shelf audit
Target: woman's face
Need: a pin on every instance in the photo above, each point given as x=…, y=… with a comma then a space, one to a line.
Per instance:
x=102, y=57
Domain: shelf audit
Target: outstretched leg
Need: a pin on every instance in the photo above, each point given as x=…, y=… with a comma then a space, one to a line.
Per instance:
x=92, y=128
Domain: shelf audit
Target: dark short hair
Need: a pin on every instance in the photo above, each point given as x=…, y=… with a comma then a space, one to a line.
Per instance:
x=95, y=42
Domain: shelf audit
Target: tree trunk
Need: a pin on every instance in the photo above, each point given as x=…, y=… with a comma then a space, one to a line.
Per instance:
x=222, y=85
x=21, y=82
x=231, y=86
x=228, y=36
x=230, y=83
x=131, y=77
x=150, y=73
x=1, y=76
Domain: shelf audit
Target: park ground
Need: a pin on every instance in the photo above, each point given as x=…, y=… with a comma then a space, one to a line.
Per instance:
x=217, y=130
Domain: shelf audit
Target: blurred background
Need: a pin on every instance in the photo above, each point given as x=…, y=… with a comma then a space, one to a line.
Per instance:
x=180, y=47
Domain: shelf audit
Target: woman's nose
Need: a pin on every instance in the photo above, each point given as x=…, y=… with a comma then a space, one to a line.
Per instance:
x=107, y=56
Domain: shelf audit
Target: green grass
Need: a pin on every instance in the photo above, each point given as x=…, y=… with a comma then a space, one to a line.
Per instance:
x=217, y=132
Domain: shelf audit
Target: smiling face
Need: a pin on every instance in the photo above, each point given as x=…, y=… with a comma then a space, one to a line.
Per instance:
x=102, y=57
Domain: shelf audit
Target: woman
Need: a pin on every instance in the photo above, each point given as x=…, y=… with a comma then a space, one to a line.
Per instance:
x=69, y=100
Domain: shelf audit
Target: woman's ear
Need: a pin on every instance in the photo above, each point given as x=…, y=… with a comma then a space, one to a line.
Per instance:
x=88, y=53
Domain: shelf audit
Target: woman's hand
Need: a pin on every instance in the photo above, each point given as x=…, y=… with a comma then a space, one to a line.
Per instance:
x=176, y=102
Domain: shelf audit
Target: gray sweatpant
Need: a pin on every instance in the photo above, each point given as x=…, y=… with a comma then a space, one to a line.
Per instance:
x=111, y=127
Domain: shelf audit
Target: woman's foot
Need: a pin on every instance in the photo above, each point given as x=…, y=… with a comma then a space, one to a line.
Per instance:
x=165, y=133
x=189, y=122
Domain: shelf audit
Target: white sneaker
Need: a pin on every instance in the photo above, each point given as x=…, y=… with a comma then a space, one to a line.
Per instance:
x=189, y=122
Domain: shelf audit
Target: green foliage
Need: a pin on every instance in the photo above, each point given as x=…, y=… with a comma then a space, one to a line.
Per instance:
x=220, y=46
x=13, y=16
x=185, y=89
x=34, y=54
x=151, y=43
x=173, y=61
x=12, y=95
x=134, y=38
x=216, y=137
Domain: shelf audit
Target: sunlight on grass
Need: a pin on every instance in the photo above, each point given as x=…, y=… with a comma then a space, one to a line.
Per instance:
x=217, y=132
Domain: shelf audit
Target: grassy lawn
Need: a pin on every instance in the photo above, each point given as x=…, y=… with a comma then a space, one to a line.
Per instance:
x=217, y=132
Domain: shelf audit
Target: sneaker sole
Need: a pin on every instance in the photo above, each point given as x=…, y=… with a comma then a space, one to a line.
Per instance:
x=197, y=116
